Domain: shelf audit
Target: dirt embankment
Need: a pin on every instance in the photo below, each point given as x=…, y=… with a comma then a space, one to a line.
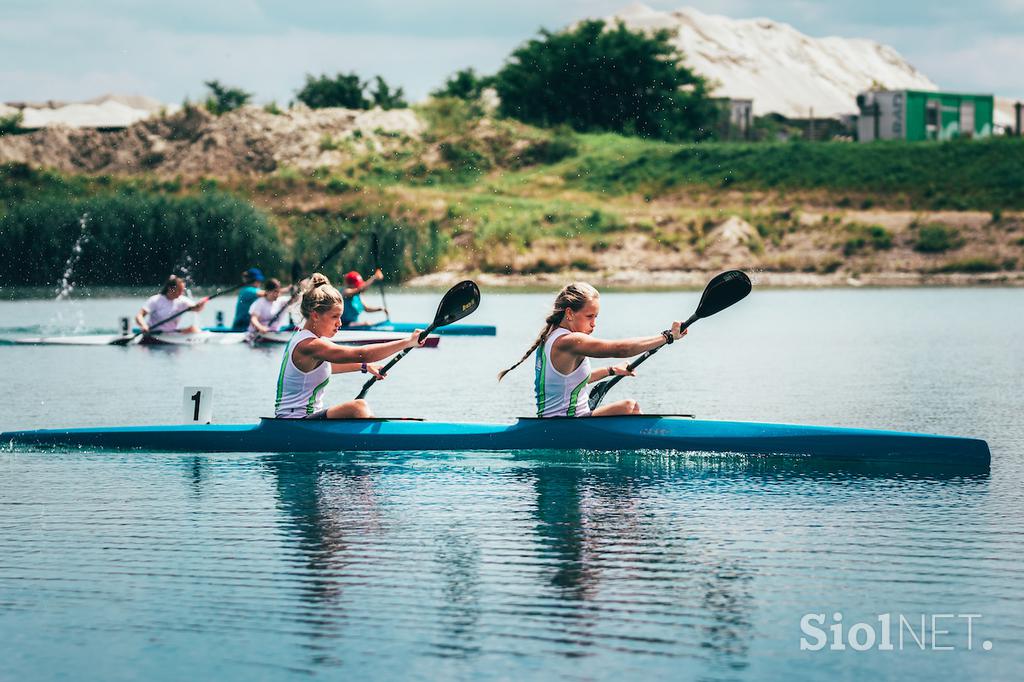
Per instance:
x=194, y=142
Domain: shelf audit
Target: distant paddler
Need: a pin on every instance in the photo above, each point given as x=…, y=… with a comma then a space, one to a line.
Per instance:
x=168, y=303
x=563, y=351
x=265, y=314
x=247, y=295
x=355, y=285
x=310, y=358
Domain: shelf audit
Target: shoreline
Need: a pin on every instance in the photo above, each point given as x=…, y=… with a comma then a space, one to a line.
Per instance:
x=646, y=280
x=619, y=280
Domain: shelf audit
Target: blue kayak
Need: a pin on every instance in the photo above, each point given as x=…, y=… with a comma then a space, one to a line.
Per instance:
x=401, y=327
x=449, y=330
x=641, y=432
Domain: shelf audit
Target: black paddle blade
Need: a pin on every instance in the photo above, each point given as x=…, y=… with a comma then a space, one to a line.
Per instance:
x=296, y=271
x=460, y=301
x=722, y=291
x=597, y=392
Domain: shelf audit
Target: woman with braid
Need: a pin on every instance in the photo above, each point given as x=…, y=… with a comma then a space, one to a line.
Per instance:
x=564, y=349
x=310, y=358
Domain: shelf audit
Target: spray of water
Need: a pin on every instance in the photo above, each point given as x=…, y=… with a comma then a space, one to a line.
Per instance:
x=67, y=284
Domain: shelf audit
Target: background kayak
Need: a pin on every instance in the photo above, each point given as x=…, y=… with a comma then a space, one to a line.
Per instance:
x=642, y=432
x=344, y=337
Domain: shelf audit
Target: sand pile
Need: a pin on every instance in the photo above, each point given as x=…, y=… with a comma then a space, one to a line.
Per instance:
x=194, y=142
x=728, y=243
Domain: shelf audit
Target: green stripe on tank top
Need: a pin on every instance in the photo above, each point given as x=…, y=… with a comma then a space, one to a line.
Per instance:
x=280, y=375
x=540, y=381
x=312, y=397
x=575, y=396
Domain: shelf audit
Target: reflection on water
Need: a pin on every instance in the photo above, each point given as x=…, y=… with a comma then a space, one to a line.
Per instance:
x=577, y=554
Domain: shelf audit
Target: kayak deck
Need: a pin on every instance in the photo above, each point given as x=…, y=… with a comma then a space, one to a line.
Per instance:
x=641, y=432
x=447, y=330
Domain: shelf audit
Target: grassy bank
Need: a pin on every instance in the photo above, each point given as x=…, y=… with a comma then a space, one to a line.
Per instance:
x=984, y=175
x=476, y=195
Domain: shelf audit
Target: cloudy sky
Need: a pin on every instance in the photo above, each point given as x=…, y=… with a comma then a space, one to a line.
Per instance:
x=69, y=50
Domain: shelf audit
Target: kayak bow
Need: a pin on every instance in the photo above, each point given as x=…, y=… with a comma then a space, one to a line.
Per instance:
x=640, y=432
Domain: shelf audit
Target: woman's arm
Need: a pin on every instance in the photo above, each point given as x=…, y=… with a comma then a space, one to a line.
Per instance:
x=581, y=344
x=139, y=319
x=257, y=325
x=605, y=372
x=334, y=353
x=341, y=367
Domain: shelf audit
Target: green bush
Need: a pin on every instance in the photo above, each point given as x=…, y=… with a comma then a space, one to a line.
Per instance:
x=386, y=97
x=937, y=238
x=343, y=90
x=223, y=98
x=11, y=125
x=464, y=84
x=864, y=236
x=348, y=91
x=136, y=239
x=971, y=265
x=598, y=78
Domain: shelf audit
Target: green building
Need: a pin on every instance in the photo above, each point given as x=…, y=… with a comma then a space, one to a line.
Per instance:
x=922, y=115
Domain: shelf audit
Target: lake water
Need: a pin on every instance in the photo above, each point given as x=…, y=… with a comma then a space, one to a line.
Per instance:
x=165, y=566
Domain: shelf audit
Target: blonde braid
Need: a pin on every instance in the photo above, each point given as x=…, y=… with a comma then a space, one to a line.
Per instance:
x=573, y=297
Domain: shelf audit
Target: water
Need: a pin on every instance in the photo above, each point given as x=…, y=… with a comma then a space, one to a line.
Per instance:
x=507, y=565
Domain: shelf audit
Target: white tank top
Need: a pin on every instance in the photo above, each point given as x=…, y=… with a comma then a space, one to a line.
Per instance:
x=300, y=394
x=560, y=395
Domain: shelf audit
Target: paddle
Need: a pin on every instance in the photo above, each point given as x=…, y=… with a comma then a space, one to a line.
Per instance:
x=721, y=292
x=375, y=247
x=460, y=301
x=125, y=340
x=297, y=276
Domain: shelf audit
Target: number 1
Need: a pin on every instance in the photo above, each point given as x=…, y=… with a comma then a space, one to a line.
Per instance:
x=195, y=399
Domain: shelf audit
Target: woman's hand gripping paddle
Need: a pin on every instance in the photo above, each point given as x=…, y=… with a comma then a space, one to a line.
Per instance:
x=721, y=292
x=460, y=301
x=125, y=340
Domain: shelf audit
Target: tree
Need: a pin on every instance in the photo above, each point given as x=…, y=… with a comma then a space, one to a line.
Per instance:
x=343, y=90
x=385, y=98
x=223, y=98
x=595, y=78
x=464, y=84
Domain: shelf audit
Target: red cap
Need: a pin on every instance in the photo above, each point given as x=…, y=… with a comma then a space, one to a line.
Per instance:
x=353, y=279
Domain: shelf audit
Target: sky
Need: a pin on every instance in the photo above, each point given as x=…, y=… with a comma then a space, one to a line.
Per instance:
x=71, y=50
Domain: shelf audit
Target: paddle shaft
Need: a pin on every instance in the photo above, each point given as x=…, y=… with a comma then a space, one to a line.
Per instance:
x=391, y=363
x=295, y=295
x=636, y=363
x=380, y=282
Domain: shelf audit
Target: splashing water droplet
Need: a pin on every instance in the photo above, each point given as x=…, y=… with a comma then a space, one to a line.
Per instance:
x=67, y=284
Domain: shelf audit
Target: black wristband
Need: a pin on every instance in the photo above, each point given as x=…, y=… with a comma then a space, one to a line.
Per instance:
x=668, y=336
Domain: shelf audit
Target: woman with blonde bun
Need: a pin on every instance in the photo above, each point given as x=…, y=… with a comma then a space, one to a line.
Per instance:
x=310, y=358
x=563, y=351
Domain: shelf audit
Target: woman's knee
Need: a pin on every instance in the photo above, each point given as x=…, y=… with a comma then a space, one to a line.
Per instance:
x=362, y=408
